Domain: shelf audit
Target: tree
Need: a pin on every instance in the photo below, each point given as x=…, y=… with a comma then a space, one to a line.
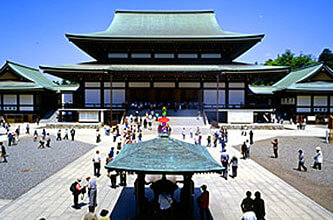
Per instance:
x=289, y=59
x=327, y=57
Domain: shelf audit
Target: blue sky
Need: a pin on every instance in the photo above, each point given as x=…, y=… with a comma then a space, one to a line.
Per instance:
x=32, y=32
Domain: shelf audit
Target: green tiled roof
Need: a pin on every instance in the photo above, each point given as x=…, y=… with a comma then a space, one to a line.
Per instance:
x=36, y=80
x=296, y=76
x=296, y=81
x=164, y=25
x=233, y=67
x=164, y=155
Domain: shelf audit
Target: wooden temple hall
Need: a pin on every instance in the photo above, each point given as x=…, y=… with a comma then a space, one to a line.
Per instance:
x=154, y=57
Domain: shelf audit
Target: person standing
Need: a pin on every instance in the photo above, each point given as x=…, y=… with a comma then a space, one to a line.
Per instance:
x=97, y=164
x=251, y=136
x=275, y=144
x=183, y=133
x=92, y=191
x=191, y=132
x=10, y=138
x=234, y=166
x=98, y=136
x=248, y=146
x=18, y=131
x=3, y=152
x=66, y=134
x=73, y=133
x=259, y=206
x=247, y=203
x=44, y=133
x=35, y=136
x=27, y=128
x=77, y=189
x=209, y=140
x=301, y=161
x=58, y=135
x=318, y=159
x=203, y=202
x=243, y=150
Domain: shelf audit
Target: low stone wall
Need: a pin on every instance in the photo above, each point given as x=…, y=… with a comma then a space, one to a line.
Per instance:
x=69, y=125
x=254, y=126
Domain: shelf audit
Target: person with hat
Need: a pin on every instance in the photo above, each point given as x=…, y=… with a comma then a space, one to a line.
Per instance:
x=203, y=202
x=301, y=161
x=318, y=159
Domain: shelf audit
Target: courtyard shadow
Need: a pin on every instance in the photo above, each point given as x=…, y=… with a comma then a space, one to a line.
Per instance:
x=125, y=207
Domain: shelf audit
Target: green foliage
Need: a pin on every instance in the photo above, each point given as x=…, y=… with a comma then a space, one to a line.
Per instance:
x=289, y=59
x=64, y=82
x=327, y=57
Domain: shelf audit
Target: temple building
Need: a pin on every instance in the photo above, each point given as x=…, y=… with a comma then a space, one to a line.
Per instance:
x=181, y=57
x=26, y=94
x=307, y=91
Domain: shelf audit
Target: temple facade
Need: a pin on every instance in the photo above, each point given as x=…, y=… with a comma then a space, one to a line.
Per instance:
x=182, y=58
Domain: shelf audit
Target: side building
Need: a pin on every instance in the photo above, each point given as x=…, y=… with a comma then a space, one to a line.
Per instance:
x=304, y=92
x=182, y=58
x=26, y=94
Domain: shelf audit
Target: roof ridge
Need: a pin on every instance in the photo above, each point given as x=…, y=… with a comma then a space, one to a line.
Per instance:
x=308, y=66
x=165, y=11
x=21, y=65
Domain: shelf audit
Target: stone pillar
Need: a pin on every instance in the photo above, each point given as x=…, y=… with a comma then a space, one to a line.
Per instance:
x=102, y=116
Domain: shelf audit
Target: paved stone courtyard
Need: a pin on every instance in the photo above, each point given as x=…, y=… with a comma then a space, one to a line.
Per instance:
x=52, y=199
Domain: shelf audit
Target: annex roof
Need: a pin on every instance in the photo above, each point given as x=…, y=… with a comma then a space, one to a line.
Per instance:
x=261, y=90
x=33, y=79
x=164, y=155
x=164, y=24
x=298, y=79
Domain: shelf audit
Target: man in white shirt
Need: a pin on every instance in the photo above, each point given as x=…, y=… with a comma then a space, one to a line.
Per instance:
x=318, y=159
x=97, y=164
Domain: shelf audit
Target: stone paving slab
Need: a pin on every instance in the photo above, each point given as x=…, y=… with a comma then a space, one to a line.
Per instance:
x=52, y=199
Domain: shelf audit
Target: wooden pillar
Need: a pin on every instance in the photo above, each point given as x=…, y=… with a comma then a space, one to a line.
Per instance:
x=140, y=193
x=111, y=99
x=217, y=97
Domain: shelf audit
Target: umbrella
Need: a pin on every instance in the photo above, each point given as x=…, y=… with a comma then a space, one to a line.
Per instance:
x=163, y=120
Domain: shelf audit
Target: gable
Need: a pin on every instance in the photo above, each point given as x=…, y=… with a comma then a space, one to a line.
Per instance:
x=322, y=75
x=9, y=74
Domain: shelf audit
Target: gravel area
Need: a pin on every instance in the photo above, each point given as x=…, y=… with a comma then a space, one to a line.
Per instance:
x=317, y=184
x=27, y=166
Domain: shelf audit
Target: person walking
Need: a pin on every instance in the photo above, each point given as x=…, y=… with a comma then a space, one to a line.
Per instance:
x=73, y=133
x=234, y=166
x=248, y=146
x=44, y=133
x=275, y=144
x=203, y=202
x=247, y=203
x=97, y=164
x=259, y=206
x=183, y=133
x=98, y=136
x=191, y=132
x=35, y=136
x=58, y=135
x=301, y=161
x=66, y=134
x=243, y=150
x=48, y=140
x=318, y=159
x=3, y=153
